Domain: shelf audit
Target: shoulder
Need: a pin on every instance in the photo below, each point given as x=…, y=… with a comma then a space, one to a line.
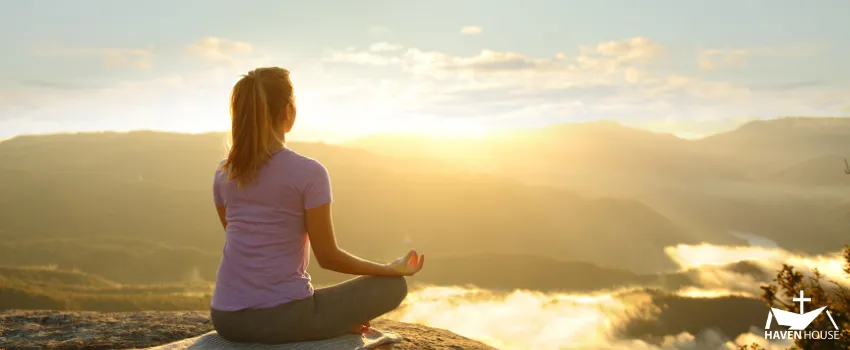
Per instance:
x=306, y=164
x=219, y=169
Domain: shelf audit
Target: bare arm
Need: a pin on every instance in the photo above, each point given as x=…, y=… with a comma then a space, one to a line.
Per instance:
x=221, y=217
x=329, y=255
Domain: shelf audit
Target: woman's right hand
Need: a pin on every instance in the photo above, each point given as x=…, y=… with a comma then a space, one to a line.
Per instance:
x=409, y=264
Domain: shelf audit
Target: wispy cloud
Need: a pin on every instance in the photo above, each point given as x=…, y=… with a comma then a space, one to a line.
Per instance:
x=727, y=58
x=624, y=318
x=438, y=63
x=613, y=54
x=384, y=47
x=788, y=85
x=471, y=30
x=418, y=87
x=532, y=320
x=219, y=49
x=57, y=85
x=723, y=58
x=111, y=57
x=617, y=79
x=375, y=56
x=615, y=57
x=769, y=260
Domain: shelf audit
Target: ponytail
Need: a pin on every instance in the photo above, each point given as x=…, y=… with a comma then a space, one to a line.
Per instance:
x=255, y=103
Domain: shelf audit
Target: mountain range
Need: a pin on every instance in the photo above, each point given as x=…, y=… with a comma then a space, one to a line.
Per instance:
x=778, y=178
x=599, y=193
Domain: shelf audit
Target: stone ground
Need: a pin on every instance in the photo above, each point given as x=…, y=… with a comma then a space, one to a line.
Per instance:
x=47, y=329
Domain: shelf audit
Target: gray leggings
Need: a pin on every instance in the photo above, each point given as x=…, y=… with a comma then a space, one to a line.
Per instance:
x=330, y=312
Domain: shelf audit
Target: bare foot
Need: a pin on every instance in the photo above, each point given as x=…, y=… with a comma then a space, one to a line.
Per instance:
x=361, y=328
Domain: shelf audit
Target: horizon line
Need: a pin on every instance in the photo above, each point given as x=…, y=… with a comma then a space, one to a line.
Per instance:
x=409, y=133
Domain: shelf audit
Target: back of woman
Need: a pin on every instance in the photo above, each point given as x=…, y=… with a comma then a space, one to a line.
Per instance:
x=274, y=205
x=267, y=250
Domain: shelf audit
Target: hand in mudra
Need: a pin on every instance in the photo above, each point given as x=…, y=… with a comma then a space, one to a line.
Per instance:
x=409, y=264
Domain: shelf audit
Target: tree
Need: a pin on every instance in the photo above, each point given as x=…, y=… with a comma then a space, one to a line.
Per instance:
x=836, y=297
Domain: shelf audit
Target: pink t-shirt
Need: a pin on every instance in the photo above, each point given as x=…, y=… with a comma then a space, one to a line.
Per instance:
x=266, y=249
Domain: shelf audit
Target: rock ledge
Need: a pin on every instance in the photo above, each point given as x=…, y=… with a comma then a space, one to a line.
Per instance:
x=48, y=329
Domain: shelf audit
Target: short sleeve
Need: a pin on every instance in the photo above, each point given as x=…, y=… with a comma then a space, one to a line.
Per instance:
x=217, y=199
x=318, y=188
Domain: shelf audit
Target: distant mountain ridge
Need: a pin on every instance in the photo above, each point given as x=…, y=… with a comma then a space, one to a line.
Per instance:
x=156, y=187
x=776, y=177
x=763, y=126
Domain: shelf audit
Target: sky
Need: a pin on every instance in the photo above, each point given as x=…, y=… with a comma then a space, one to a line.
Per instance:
x=691, y=68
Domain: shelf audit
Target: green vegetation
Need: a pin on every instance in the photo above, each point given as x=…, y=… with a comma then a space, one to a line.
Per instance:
x=836, y=297
x=52, y=288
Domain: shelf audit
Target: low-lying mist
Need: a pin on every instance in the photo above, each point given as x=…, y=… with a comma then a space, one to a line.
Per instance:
x=724, y=311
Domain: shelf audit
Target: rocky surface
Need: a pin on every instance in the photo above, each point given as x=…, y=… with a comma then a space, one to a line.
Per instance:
x=46, y=329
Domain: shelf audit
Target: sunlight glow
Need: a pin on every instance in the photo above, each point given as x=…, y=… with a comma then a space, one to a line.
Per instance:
x=693, y=292
x=687, y=135
x=441, y=129
x=688, y=256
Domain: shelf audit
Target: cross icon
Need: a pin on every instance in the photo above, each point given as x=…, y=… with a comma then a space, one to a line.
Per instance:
x=802, y=300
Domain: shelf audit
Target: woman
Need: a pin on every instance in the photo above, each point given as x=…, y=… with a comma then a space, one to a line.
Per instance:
x=274, y=204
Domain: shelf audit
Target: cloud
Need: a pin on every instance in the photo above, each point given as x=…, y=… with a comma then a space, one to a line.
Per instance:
x=769, y=260
x=627, y=318
x=788, y=85
x=723, y=58
x=678, y=85
x=439, y=64
x=404, y=86
x=523, y=319
x=617, y=80
x=219, y=49
x=471, y=30
x=57, y=85
x=486, y=61
x=613, y=56
x=608, y=56
x=637, y=49
x=517, y=320
x=731, y=58
x=384, y=47
x=111, y=57
x=633, y=75
x=371, y=57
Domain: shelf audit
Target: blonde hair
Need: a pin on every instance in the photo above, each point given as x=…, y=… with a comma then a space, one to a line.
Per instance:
x=256, y=103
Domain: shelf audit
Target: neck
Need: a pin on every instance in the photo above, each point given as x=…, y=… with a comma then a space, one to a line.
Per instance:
x=277, y=143
x=280, y=137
